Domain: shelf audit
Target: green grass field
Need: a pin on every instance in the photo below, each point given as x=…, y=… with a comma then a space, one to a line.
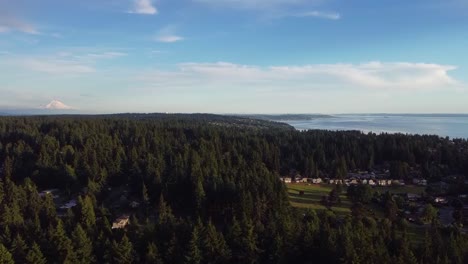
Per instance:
x=313, y=195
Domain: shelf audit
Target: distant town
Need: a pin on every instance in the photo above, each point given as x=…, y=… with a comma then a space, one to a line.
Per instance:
x=415, y=193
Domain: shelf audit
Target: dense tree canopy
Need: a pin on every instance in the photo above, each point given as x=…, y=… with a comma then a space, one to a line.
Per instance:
x=203, y=189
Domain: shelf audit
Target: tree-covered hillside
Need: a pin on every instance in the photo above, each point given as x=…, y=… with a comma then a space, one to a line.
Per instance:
x=202, y=189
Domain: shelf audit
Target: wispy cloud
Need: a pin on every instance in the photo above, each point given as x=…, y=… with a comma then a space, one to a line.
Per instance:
x=276, y=8
x=64, y=62
x=370, y=86
x=106, y=55
x=372, y=75
x=90, y=56
x=254, y=4
x=56, y=66
x=168, y=35
x=144, y=7
x=320, y=14
x=169, y=38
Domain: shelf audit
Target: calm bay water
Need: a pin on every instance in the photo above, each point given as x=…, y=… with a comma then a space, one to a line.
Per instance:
x=453, y=126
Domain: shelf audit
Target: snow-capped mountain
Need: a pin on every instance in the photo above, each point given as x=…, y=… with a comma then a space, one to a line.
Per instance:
x=57, y=105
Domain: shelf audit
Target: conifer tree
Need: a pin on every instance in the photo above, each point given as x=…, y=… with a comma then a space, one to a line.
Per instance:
x=173, y=251
x=19, y=249
x=48, y=212
x=35, y=255
x=164, y=211
x=83, y=245
x=5, y=256
x=11, y=215
x=61, y=245
x=194, y=254
x=144, y=194
x=1, y=191
x=276, y=251
x=249, y=241
x=152, y=254
x=5, y=234
x=234, y=236
x=213, y=244
x=122, y=252
x=87, y=214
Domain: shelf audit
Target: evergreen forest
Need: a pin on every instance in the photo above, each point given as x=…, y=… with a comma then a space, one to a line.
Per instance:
x=207, y=189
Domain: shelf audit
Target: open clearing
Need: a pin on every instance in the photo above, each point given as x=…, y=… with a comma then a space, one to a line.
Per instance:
x=313, y=193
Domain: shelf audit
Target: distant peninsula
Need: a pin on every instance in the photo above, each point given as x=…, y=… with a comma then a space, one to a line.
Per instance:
x=287, y=117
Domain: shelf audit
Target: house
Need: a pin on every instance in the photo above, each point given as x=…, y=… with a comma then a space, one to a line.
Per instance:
x=337, y=181
x=441, y=200
x=286, y=179
x=302, y=180
x=70, y=204
x=372, y=182
x=121, y=222
x=382, y=182
x=317, y=181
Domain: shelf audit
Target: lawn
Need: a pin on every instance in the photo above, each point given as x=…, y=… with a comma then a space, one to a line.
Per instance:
x=313, y=195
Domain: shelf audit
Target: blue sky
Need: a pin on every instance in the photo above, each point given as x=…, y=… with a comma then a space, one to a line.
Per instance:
x=236, y=56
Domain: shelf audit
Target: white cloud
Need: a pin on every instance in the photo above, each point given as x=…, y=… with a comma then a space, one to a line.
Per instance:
x=169, y=38
x=168, y=35
x=56, y=66
x=276, y=8
x=89, y=57
x=106, y=55
x=366, y=87
x=64, y=62
x=144, y=7
x=319, y=14
x=308, y=78
x=254, y=4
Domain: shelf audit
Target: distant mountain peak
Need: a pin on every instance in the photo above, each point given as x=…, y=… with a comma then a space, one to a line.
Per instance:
x=57, y=105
